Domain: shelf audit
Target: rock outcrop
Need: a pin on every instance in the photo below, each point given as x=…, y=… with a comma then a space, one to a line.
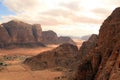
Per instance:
x=17, y=33
x=50, y=37
x=64, y=56
x=37, y=32
x=103, y=61
x=65, y=39
x=4, y=36
x=88, y=45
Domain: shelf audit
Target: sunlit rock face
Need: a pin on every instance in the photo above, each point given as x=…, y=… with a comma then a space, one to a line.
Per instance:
x=63, y=56
x=103, y=61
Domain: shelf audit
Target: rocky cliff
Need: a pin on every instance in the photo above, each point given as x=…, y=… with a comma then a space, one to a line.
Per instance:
x=50, y=37
x=88, y=45
x=19, y=34
x=63, y=56
x=66, y=55
x=103, y=61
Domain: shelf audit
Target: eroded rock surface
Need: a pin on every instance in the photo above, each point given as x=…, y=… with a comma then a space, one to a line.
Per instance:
x=102, y=62
x=64, y=56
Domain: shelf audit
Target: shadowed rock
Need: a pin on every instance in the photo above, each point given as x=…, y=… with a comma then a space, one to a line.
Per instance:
x=64, y=56
x=103, y=61
x=88, y=45
x=37, y=32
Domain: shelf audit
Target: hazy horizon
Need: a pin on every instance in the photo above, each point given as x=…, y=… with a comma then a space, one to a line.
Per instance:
x=69, y=18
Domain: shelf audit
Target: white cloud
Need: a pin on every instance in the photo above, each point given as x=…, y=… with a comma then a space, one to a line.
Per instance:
x=30, y=10
x=61, y=12
x=22, y=6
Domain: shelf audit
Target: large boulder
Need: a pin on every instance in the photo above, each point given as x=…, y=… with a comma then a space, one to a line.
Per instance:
x=64, y=56
x=103, y=61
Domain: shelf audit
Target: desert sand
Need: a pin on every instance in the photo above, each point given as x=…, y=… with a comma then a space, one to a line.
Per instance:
x=15, y=70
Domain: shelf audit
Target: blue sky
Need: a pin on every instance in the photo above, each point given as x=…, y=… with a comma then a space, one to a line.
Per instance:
x=66, y=17
x=4, y=11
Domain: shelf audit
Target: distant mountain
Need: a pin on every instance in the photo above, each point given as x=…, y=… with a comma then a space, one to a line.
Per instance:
x=50, y=37
x=19, y=34
x=86, y=37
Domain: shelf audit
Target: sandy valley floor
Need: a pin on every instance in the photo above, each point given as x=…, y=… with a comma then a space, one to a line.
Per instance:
x=15, y=70
x=18, y=72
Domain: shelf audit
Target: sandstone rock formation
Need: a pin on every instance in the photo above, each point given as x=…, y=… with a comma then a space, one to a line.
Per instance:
x=4, y=36
x=103, y=61
x=37, y=32
x=50, y=37
x=18, y=33
x=64, y=56
x=88, y=45
x=65, y=39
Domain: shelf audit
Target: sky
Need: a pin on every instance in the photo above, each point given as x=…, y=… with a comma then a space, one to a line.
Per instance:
x=66, y=17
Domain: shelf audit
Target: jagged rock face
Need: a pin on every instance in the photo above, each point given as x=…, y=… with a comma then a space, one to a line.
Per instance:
x=49, y=37
x=109, y=45
x=88, y=45
x=63, y=39
x=87, y=66
x=16, y=33
x=104, y=60
x=64, y=55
